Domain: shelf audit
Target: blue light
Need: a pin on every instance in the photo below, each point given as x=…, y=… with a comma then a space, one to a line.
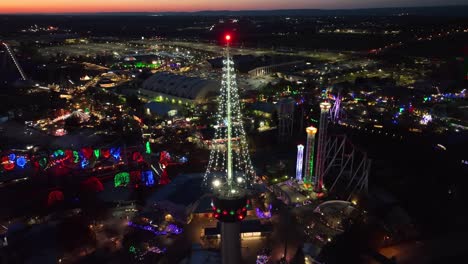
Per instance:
x=183, y=159
x=84, y=163
x=147, y=178
x=115, y=152
x=21, y=161
x=12, y=157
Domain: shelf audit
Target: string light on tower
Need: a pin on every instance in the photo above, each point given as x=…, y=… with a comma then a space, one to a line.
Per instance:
x=229, y=171
x=229, y=162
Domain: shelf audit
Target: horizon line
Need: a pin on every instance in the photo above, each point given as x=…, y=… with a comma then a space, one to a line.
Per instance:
x=230, y=10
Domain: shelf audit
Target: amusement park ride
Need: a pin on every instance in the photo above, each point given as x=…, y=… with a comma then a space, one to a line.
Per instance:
x=23, y=81
x=335, y=157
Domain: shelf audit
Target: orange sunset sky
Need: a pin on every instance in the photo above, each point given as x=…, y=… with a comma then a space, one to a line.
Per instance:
x=63, y=6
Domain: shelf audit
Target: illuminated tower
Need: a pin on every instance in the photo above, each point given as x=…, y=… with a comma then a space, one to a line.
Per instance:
x=309, y=161
x=300, y=162
x=230, y=169
x=321, y=146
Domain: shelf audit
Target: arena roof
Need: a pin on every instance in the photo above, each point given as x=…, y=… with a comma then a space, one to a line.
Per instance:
x=181, y=86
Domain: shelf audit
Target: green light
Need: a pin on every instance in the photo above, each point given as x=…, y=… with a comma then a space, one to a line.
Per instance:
x=97, y=153
x=58, y=152
x=86, y=110
x=218, y=211
x=148, y=148
x=132, y=249
x=76, y=156
x=43, y=162
x=231, y=212
x=121, y=179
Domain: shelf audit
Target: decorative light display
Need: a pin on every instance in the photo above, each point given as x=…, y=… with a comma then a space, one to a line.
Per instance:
x=264, y=214
x=300, y=162
x=87, y=152
x=229, y=155
x=92, y=184
x=174, y=229
x=97, y=153
x=164, y=158
x=84, y=163
x=7, y=163
x=105, y=153
x=183, y=160
x=426, y=119
x=21, y=161
x=43, y=162
x=147, y=177
x=262, y=259
x=135, y=176
x=76, y=156
x=232, y=212
x=58, y=153
x=69, y=154
x=115, y=152
x=12, y=156
x=121, y=179
x=170, y=229
x=136, y=156
x=148, y=147
x=309, y=165
x=55, y=197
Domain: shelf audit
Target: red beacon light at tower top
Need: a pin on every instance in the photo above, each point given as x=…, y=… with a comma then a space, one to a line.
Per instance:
x=228, y=38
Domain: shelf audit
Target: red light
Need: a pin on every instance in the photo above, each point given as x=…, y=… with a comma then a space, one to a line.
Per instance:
x=216, y=215
x=228, y=37
x=224, y=212
x=244, y=209
x=241, y=217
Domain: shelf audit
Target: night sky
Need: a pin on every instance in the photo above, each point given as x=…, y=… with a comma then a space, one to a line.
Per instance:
x=57, y=6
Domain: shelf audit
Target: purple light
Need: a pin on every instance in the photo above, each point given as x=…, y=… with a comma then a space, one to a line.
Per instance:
x=170, y=229
x=173, y=229
x=263, y=215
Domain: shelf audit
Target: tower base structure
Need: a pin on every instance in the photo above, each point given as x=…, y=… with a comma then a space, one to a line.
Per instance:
x=230, y=208
x=230, y=243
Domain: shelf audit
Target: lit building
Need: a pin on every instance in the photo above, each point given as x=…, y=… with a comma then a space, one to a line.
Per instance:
x=173, y=88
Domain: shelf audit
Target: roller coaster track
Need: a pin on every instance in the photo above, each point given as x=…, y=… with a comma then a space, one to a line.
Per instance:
x=13, y=57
